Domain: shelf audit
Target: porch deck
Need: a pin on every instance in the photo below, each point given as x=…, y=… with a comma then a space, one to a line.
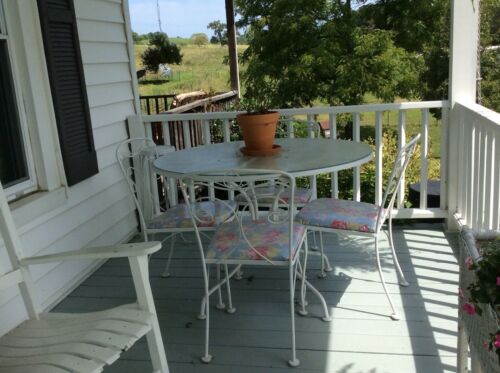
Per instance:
x=360, y=339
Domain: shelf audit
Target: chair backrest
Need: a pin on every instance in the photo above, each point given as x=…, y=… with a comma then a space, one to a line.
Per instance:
x=19, y=275
x=246, y=182
x=135, y=157
x=400, y=164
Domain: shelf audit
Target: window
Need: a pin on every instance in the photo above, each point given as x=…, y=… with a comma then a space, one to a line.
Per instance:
x=16, y=163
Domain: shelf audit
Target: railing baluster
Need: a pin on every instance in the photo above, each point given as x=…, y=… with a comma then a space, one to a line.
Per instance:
x=186, y=135
x=289, y=127
x=424, y=154
x=356, y=193
x=149, y=131
x=462, y=160
x=165, y=132
x=226, y=130
x=312, y=179
x=489, y=190
x=443, y=161
x=470, y=171
x=379, y=141
x=311, y=126
x=227, y=138
x=401, y=143
x=496, y=180
x=207, y=139
x=332, y=119
x=207, y=136
x=476, y=211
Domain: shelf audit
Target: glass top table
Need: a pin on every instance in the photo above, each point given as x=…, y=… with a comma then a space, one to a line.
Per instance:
x=299, y=157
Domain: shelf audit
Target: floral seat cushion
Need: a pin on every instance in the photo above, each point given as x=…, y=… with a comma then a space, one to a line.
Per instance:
x=269, y=239
x=339, y=214
x=209, y=213
x=267, y=195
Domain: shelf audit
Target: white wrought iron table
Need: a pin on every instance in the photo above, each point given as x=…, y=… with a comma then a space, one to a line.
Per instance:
x=299, y=157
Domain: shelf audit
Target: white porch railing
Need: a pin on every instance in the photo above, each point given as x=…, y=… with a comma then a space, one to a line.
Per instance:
x=478, y=186
x=143, y=127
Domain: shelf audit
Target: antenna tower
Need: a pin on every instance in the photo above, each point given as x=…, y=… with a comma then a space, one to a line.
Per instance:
x=158, y=14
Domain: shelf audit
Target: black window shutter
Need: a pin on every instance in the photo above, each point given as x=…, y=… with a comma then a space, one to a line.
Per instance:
x=67, y=83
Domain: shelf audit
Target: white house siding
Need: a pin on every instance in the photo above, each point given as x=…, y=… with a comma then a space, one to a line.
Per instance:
x=98, y=210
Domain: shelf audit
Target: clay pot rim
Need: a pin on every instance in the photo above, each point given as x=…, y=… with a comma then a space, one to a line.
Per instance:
x=249, y=113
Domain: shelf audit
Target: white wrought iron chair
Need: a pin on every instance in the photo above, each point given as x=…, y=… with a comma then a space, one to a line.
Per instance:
x=360, y=218
x=85, y=342
x=266, y=195
x=272, y=240
x=135, y=157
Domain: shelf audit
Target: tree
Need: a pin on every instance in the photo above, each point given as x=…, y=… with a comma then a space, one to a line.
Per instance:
x=420, y=27
x=161, y=51
x=331, y=58
x=220, y=32
x=199, y=39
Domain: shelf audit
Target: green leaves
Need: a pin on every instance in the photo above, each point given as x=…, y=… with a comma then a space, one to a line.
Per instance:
x=161, y=51
x=301, y=51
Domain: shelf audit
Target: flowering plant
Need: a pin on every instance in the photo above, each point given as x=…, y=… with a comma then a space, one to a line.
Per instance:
x=486, y=287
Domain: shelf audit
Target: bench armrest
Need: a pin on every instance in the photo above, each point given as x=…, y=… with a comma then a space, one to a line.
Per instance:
x=98, y=252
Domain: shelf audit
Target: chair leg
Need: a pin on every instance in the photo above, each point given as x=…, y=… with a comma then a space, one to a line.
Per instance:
x=328, y=267
x=204, y=302
x=206, y=358
x=166, y=271
x=325, y=263
x=402, y=280
x=140, y=275
x=303, y=303
x=229, y=309
x=239, y=275
x=220, y=304
x=395, y=315
x=293, y=362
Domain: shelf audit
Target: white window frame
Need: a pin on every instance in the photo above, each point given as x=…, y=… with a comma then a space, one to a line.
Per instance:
x=27, y=186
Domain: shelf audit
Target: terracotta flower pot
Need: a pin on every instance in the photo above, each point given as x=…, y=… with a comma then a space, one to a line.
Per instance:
x=258, y=129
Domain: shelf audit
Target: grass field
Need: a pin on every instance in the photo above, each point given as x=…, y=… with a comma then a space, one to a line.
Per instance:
x=202, y=68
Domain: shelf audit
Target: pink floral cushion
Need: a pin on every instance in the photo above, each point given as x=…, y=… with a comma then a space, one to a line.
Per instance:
x=211, y=213
x=269, y=239
x=339, y=214
x=265, y=195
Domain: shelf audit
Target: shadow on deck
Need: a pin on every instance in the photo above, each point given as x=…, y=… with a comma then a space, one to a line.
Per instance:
x=360, y=339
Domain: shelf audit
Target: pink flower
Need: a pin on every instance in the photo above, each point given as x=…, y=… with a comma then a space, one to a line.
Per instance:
x=497, y=341
x=469, y=308
x=498, y=281
x=469, y=262
x=486, y=345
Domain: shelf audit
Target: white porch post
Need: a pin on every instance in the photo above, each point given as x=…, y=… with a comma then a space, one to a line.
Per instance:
x=462, y=83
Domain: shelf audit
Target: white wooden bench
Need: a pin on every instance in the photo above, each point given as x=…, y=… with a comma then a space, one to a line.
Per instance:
x=85, y=342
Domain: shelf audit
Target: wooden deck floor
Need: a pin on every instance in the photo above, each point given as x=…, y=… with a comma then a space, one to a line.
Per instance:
x=360, y=339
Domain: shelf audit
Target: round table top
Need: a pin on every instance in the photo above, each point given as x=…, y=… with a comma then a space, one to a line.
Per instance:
x=299, y=157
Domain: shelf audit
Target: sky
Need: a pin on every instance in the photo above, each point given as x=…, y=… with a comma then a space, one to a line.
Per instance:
x=178, y=17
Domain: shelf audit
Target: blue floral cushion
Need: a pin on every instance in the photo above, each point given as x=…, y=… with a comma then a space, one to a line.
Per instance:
x=265, y=195
x=339, y=214
x=210, y=213
x=269, y=239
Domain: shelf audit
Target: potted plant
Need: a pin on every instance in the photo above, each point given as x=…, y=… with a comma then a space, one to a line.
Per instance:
x=257, y=125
